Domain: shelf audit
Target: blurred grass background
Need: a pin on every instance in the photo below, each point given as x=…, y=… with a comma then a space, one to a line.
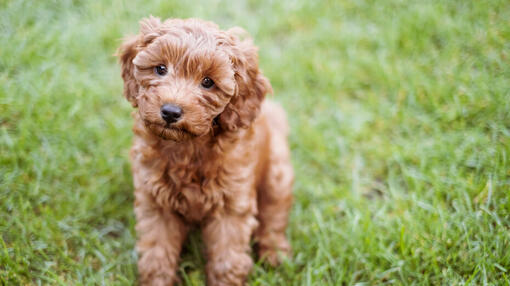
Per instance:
x=400, y=115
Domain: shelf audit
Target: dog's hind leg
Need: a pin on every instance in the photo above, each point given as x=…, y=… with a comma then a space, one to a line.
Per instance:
x=274, y=194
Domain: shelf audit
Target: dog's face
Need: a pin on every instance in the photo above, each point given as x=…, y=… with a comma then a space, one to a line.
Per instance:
x=185, y=76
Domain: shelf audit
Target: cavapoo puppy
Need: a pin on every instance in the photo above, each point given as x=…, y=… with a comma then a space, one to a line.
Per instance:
x=208, y=150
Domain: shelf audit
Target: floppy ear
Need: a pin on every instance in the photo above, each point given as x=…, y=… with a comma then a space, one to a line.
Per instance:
x=251, y=84
x=127, y=52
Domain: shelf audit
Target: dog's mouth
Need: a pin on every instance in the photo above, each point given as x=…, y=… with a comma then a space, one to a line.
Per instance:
x=170, y=132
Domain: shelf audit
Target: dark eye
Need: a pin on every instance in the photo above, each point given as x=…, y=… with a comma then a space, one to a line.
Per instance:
x=207, y=82
x=161, y=69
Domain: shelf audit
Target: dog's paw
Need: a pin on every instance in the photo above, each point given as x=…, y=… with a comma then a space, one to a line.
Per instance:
x=274, y=256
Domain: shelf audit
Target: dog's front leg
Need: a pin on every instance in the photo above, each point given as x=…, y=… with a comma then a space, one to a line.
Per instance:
x=227, y=240
x=160, y=237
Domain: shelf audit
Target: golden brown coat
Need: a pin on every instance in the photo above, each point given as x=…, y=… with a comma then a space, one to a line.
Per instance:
x=223, y=166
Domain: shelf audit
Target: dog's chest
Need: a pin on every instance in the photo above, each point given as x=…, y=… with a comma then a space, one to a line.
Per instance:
x=192, y=185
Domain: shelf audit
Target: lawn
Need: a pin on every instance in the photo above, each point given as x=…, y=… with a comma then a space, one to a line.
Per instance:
x=400, y=117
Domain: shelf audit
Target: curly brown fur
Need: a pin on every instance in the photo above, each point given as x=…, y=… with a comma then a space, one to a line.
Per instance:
x=224, y=165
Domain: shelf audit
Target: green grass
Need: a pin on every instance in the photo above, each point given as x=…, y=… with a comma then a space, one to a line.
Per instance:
x=400, y=115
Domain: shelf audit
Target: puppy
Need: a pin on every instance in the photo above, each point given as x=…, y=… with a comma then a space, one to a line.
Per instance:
x=208, y=150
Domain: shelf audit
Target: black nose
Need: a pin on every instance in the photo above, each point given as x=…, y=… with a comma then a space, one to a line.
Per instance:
x=171, y=113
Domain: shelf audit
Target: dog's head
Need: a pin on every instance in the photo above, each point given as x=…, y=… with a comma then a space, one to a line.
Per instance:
x=186, y=76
